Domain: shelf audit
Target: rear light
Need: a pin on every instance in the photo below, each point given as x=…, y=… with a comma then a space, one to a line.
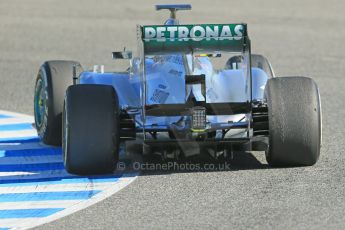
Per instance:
x=198, y=118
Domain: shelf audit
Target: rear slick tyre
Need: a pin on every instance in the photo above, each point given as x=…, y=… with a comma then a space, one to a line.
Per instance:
x=90, y=129
x=294, y=114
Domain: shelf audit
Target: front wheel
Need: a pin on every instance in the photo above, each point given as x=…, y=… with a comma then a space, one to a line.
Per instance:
x=294, y=120
x=53, y=78
x=90, y=129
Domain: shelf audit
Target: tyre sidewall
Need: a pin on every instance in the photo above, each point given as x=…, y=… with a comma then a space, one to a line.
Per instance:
x=43, y=130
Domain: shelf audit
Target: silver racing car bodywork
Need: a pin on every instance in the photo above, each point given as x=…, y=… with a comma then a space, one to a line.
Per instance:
x=181, y=71
x=190, y=89
x=165, y=87
x=165, y=83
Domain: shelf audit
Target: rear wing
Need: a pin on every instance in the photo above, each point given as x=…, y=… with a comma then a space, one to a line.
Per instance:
x=187, y=38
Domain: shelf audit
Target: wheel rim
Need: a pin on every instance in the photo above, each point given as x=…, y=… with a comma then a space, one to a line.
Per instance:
x=40, y=102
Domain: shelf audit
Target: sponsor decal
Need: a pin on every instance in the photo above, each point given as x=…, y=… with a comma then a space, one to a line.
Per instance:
x=194, y=32
x=175, y=72
x=159, y=96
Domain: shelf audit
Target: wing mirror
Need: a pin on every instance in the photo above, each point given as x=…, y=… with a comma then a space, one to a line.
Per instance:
x=122, y=55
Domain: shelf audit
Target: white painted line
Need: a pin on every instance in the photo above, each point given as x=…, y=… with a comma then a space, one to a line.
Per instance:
x=13, y=121
x=21, y=133
x=38, y=204
x=13, y=114
x=3, y=174
x=13, y=223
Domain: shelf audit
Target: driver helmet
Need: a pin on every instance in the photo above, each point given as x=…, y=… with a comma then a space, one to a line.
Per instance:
x=234, y=62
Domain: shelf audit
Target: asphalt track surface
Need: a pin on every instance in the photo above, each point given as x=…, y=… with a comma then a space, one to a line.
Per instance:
x=300, y=38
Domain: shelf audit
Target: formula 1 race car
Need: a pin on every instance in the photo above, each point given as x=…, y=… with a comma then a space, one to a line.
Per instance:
x=190, y=90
